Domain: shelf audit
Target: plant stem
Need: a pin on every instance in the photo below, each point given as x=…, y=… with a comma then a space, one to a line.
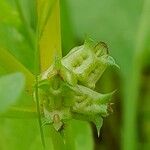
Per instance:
x=37, y=71
x=39, y=112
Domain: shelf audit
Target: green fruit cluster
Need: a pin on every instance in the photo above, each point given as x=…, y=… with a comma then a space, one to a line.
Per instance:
x=66, y=89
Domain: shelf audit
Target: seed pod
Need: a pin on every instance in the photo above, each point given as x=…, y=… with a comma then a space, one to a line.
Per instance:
x=86, y=63
x=66, y=89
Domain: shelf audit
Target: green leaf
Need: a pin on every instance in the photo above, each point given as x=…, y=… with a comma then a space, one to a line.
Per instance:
x=18, y=134
x=6, y=14
x=18, y=24
x=18, y=45
x=9, y=64
x=20, y=113
x=11, y=87
x=37, y=146
x=27, y=10
x=49, y=31
x=82, y=133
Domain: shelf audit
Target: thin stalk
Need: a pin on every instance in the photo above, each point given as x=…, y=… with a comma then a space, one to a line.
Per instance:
x=130, y=139
x=37, y=68
x=37, y=71
x=39, y=113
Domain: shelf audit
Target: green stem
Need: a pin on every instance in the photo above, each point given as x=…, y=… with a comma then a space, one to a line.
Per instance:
x=39, y=112
x=37, y=71
x=37, y=68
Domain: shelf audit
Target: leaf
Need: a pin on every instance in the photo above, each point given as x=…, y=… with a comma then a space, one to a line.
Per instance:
x=18, y=45
x=20, y=113
x=37, y=146
x=67, y=43
x=49, y=32
x=27, y=11
x=20, y=134
x=11, y=87
x=82, y=133
x=6, y=14
x=15, y=33
x=10, y=64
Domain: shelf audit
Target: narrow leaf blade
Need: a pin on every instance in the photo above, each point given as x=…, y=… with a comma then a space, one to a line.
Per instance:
x=49, y=33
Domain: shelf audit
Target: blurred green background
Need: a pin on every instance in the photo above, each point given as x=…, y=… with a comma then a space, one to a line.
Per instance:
x=125, y=27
